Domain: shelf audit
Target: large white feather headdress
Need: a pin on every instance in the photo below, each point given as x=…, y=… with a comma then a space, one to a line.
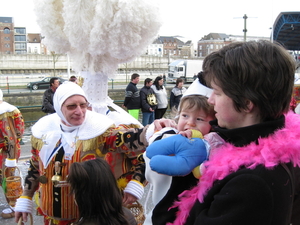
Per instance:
x=98, y=35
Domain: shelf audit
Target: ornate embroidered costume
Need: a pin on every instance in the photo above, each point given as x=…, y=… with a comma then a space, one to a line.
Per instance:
x=11, y=131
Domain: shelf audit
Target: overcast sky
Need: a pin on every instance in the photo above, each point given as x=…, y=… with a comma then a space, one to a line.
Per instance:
x=191, y=19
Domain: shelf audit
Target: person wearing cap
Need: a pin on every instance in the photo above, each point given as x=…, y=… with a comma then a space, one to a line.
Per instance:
x=11, y=131
x=74, y=134
x=171, y=175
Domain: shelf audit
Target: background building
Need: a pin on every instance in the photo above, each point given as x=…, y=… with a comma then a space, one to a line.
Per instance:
x=20, y=43
x=6, y=35
x=214, y=41
x=34, y=45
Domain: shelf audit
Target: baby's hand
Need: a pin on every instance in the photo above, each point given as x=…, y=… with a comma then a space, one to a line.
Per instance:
x=186, y=133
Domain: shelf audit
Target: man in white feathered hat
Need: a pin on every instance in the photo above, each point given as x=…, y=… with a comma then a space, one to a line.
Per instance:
x=75, y=134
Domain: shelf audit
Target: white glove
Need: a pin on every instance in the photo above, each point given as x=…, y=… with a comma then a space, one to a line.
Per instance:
x=24, y=205
x=135, y=188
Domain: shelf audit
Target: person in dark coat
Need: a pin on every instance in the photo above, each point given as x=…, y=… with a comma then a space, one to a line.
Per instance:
x=132, y=97
x=148, y=102
x=177, y=93
x=47, y=106
x=252, y=178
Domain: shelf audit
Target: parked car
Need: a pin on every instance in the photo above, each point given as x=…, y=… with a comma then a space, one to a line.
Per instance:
x=42, y=84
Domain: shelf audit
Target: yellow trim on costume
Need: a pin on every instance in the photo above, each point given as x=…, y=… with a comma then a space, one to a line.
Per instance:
x=136, y=181
x=196, y=134
x=9, y=114
x=26, y=197
x=122, y=183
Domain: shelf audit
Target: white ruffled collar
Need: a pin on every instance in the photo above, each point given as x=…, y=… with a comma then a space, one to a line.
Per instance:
x=48, y=128
x=6, y=107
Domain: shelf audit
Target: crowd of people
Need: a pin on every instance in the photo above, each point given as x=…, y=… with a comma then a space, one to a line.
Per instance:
x=230, y=156
x=152, y=99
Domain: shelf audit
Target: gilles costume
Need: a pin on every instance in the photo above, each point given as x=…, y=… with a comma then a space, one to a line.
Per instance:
x=11, y=131
x=255, y=169
x=56, y=146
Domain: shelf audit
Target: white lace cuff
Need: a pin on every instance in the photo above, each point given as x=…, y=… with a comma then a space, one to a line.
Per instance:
x=135, y=188
x=24, y=205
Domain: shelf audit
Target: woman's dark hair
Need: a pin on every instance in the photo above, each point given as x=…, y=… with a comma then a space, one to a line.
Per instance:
x=158, y=87
x=262, y=72
x=96, y=193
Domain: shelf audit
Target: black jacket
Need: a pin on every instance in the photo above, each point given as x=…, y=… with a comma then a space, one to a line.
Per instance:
x=132, y=97
x=175, y=96
x=47, y=106
x=145, y=91
x=224, y=202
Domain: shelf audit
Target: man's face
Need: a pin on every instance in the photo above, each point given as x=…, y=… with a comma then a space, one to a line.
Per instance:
x=136, y=80
x=74, y=109
x=55, y=84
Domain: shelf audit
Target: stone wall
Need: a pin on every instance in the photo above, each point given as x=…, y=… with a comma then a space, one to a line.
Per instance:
x=35, y=98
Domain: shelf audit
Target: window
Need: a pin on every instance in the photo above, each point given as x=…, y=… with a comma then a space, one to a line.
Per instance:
x=7, y=45
x=6, y=38
x=20, y=38
x=6, y=30
x=20, y=45
x=20, y=30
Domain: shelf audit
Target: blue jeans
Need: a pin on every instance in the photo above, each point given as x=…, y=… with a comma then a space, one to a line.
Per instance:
x=148, y=117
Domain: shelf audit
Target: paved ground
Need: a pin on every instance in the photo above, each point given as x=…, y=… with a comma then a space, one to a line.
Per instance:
x=23, y=165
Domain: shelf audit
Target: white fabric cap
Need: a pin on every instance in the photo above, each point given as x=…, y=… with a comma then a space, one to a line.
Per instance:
x=63, y=92
x=1, y=95
x=196, y=88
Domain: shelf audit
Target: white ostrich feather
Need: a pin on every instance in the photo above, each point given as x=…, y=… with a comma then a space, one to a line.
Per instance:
x=49, y=14
x=78, y=16
x=98, y=35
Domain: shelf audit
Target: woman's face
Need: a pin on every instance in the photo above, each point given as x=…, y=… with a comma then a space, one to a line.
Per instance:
x=74, y=109
x=161, y=82
x=226, y=114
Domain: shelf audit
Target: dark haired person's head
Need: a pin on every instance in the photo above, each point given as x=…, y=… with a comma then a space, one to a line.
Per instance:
x=147, y=81
x=258, y=72
x=158, y=82
x=52, y=81
x=96, y=193
x=135, y=78
x=178, y=81
x=73, y=79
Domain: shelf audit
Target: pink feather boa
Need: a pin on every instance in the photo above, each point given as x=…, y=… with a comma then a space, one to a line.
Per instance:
x=228, y=159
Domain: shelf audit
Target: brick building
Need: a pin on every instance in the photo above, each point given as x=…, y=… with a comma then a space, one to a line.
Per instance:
x=6, y=35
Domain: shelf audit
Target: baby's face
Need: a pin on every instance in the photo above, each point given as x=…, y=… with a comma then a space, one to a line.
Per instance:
x=190, y=119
